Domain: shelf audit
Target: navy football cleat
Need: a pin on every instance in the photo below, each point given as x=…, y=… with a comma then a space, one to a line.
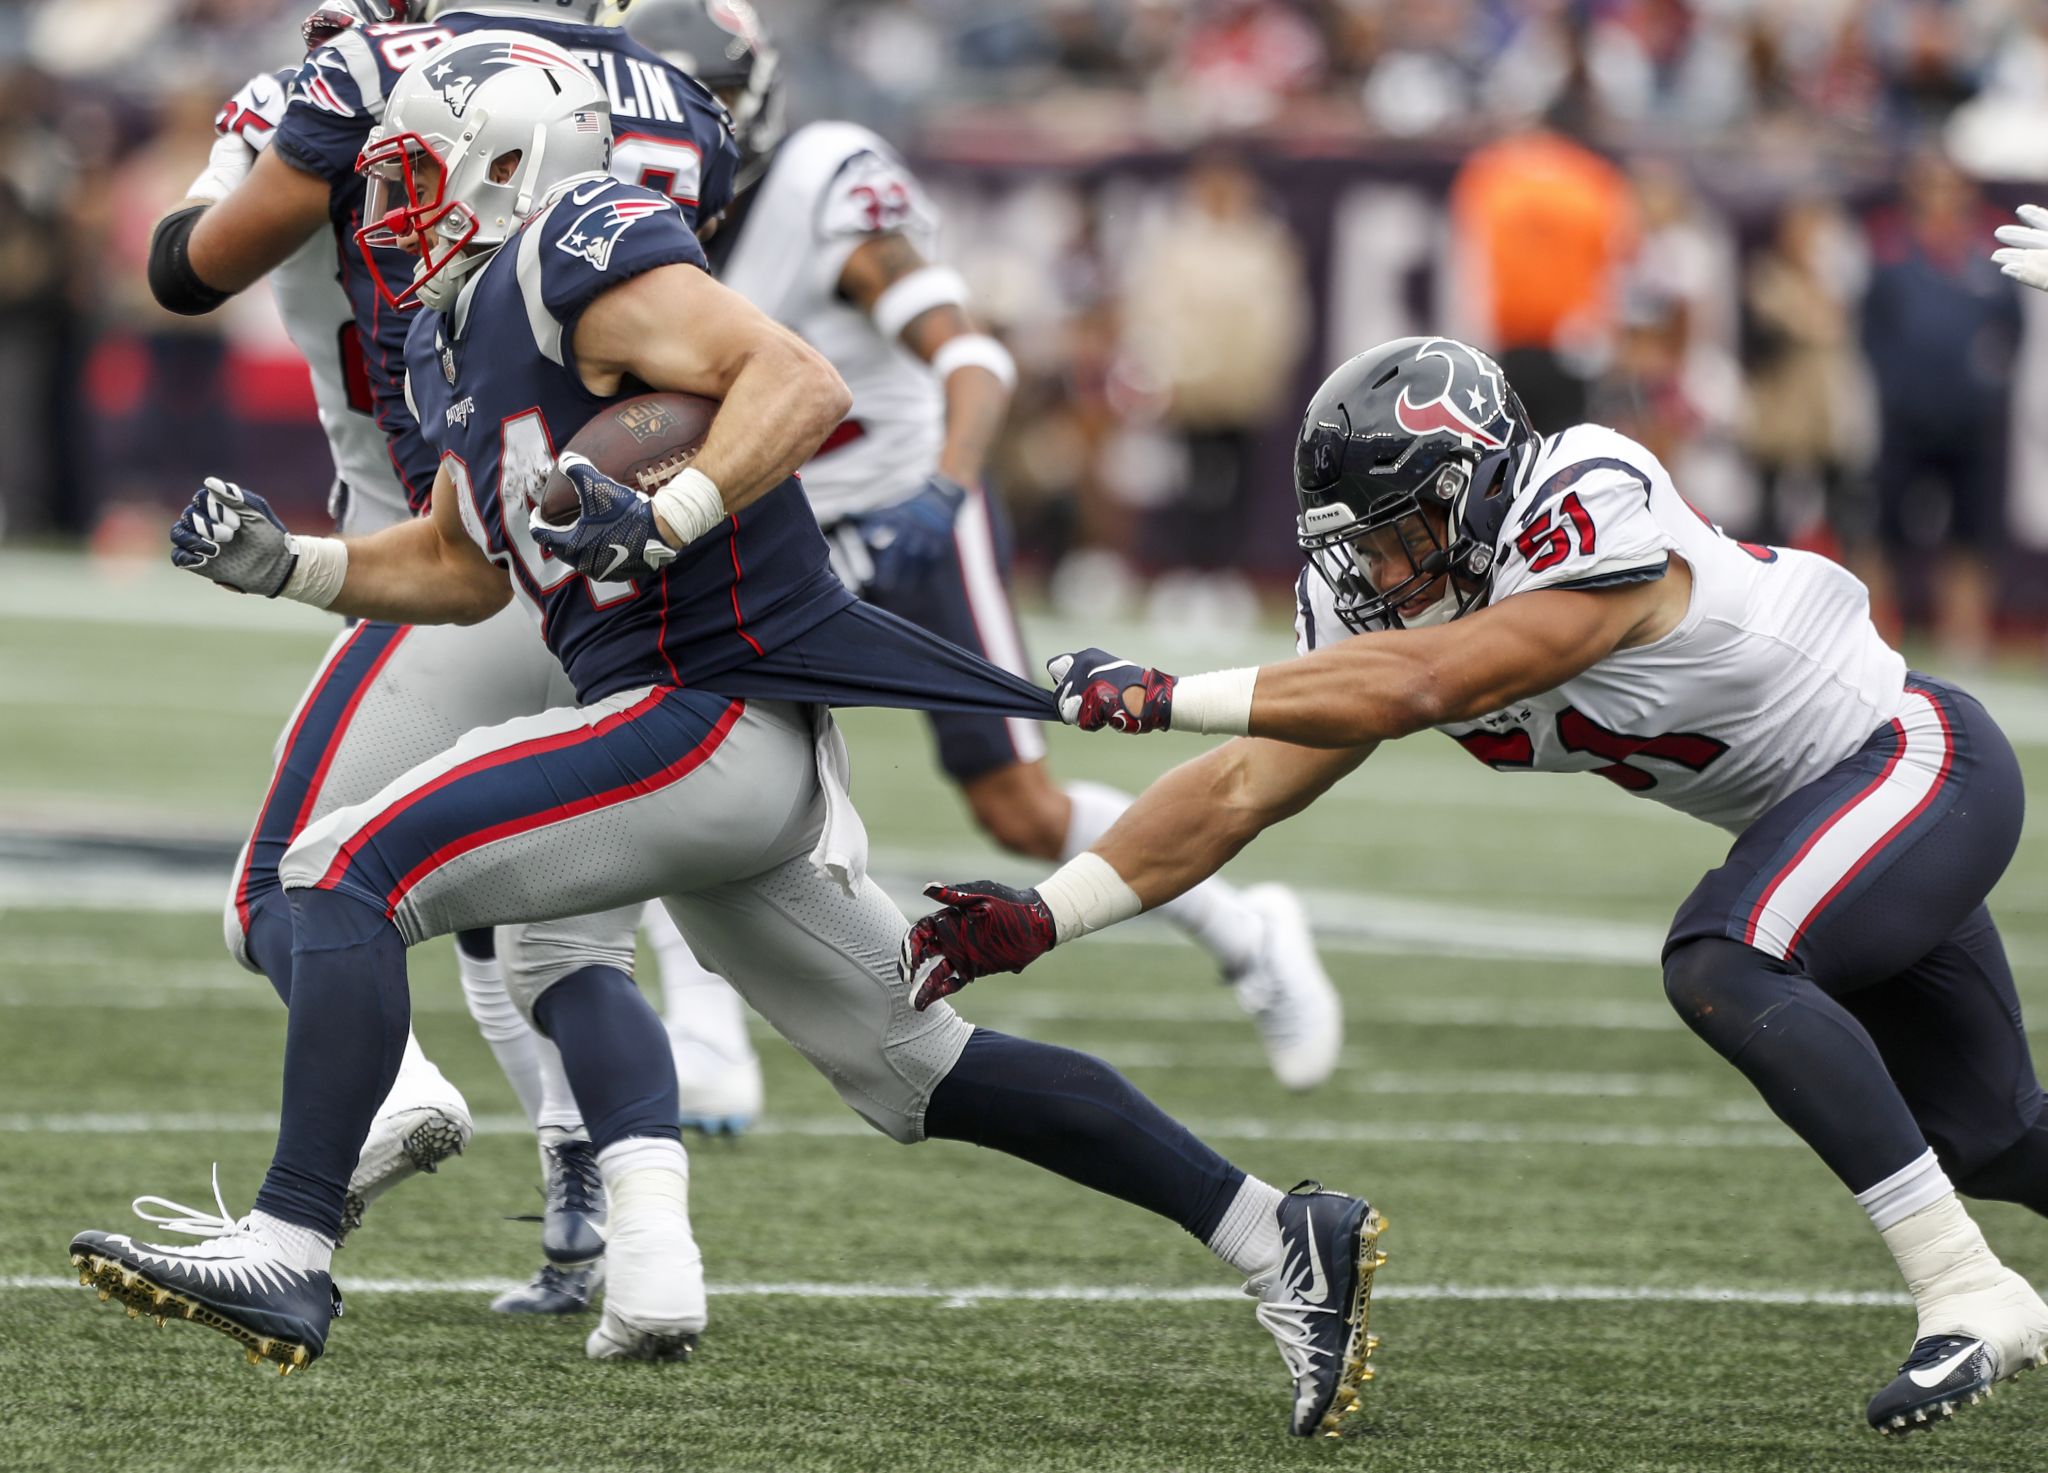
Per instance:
x=552, y=1291
x=1315, y=1299
x=573, y=1226
x=1941, y=1373
x=238, y=1282
x=1995, y=1333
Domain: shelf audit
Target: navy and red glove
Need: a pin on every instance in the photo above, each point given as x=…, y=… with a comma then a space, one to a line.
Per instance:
x=1089, y=687
x=984, y=928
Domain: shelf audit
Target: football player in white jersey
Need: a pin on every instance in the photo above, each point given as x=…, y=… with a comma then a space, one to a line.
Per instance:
x=1555, y=605
x=832, y=235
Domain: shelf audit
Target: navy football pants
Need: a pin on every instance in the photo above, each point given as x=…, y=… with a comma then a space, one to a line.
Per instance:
x=1843, y=957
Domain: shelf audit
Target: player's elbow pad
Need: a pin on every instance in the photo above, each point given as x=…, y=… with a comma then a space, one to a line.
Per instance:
x=172, y=281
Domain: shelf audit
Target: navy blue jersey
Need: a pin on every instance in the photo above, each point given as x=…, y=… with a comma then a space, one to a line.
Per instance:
x=494, y=384
x=668, y=134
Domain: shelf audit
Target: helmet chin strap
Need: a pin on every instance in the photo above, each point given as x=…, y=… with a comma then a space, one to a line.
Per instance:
x=529, y=173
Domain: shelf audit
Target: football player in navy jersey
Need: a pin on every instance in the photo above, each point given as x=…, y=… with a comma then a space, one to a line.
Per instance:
x=704, y=632
x=1555, y=605
x=282, y=193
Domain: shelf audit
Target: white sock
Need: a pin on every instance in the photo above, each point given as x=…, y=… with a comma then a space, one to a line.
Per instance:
x=558, y=1109
x=512, y=1041
x=301, y=1246
x=641, y=1153
x=1248, y=1237
x=1919, y=1183
x=1945, y=1260
x=1212, y=915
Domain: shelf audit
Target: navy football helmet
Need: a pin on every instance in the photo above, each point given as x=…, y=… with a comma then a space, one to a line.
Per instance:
x=1402, y=471
x=723, y=45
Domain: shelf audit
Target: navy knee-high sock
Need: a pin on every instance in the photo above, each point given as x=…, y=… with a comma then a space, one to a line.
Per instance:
x=1812, y=1062
x=1077, y=1117
x=349, y=1015
x=616, y=1053
x=268, y=939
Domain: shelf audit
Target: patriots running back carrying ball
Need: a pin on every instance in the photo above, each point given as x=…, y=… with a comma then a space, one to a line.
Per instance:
x=1554, y=605
x=706, y=638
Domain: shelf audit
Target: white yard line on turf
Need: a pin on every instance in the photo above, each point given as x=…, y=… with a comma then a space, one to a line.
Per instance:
x=967, y=1296
x=1325, y=1131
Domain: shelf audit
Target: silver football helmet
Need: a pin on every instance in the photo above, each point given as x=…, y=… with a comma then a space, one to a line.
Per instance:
x=474, y=138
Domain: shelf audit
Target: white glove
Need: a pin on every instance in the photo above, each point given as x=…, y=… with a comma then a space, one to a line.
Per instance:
x=2025, y=257
x=245, y=124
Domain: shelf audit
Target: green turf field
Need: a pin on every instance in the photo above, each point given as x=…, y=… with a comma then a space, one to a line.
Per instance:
x=1605, y=1255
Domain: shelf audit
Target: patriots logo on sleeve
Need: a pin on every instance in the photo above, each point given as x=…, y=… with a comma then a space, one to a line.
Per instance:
x=321, y=91
x=1471, y=404
x=594, y=234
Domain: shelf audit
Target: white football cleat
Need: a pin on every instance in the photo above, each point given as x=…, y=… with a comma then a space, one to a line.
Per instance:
x=422, y=1122
x=718, y=1074
x=654, y=1301
x=1288, y=994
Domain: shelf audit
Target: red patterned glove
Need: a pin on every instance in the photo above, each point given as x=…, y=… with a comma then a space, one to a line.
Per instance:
x=984, y=928
x=1090, y=686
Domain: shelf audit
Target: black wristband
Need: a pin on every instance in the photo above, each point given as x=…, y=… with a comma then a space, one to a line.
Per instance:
x=172, y=281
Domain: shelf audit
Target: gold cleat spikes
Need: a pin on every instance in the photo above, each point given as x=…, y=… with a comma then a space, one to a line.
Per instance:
x=250, y=1352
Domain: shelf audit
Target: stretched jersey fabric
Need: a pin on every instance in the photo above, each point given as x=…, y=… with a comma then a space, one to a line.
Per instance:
x=669, y=134
x=1774, y=675
x=495, y=387
x=831, y=187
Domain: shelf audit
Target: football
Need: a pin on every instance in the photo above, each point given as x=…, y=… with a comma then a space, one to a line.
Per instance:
x=642, y=441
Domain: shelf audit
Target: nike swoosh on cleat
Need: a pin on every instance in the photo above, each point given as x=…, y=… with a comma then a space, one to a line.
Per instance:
x=619, y=556
x=1319, y=1289
x=1934, y=1375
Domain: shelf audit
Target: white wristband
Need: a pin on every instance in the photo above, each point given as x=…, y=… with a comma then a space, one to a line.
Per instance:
x=690, y=504
x=317, y=575
x=1085, y=894
x=909, y=297
x=1217, y=702
x=975, y=350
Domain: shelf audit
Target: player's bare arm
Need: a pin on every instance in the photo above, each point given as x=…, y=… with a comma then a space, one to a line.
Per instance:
x=1195, y=819
x=273, y=212
x=426, y=571
x=1178, y=832
x=779, y=397
x=1376, y=687
x=944, y=335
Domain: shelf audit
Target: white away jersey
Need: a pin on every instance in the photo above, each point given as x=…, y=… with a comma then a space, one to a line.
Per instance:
x=1774, y=675
x=831, y=187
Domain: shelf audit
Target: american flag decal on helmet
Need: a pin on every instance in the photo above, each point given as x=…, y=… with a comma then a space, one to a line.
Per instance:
x=595, y=233
x=589, y=123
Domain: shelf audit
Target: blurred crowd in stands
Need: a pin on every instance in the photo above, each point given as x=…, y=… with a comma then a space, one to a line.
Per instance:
x=1751, y=233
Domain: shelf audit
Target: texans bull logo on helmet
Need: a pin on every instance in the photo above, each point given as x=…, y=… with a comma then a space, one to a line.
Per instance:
x=1472, y=404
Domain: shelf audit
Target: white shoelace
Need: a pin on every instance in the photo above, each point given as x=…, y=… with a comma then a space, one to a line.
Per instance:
x=1288, y=1321
x=176, y=1217
x=1289, y=1326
